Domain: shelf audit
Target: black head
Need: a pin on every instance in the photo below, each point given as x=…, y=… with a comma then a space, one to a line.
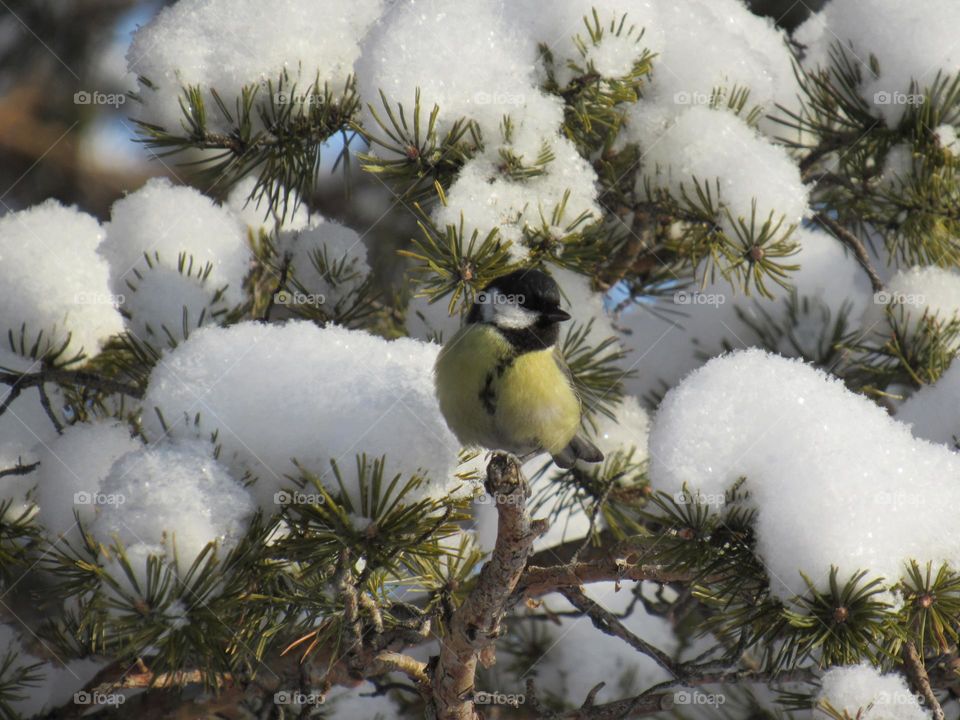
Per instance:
x=525, y=306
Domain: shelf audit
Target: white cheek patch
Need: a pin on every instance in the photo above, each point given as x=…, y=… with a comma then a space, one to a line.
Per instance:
x=504, y=311
x=513, y=317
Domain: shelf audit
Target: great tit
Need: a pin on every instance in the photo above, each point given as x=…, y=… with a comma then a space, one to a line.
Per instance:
x=500, y=380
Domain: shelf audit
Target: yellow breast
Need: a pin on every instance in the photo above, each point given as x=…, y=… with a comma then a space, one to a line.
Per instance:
x=493, y=398
x=535, y=401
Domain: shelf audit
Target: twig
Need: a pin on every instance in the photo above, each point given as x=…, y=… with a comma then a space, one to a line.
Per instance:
x=637, y=706
x=855, y=244
x=48, y=409
x=398, y=662
x=20, y=381
x=476, y=622
x=19, y=469
x=353, y=628
x=606, y=622
x=917, y=672
x=594, y=513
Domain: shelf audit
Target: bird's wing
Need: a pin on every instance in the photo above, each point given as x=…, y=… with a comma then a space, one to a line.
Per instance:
x=562, y=364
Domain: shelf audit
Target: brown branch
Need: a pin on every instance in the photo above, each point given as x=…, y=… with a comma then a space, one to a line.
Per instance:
x=605, y=621
x=917, y=672
x=48, y=409
x=537, y=581
x=19, y=469
x=476, y=623
x=637, y=706
x=385, y=662
x=855, y=244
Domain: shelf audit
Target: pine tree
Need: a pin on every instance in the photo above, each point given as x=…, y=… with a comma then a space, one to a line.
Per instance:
x=817, y=221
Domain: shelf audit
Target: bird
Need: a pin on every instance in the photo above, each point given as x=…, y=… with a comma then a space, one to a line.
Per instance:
x=500, y=380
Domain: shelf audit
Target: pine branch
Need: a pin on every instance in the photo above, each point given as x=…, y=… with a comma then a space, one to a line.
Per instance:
x=19, y=381
x=476, y=623
x=917, y=673
x=538, y=581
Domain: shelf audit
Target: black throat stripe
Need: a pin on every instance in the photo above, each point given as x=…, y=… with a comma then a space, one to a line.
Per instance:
x=488, y=396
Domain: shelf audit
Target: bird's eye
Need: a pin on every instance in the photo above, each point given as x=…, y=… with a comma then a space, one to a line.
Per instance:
x=482, y=298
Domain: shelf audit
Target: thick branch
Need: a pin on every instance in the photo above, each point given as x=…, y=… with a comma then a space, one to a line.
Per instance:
x=537, y=581
x=917, y=672
x=476, y=623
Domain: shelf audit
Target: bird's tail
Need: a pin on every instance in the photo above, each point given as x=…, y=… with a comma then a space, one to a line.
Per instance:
x=578, y=449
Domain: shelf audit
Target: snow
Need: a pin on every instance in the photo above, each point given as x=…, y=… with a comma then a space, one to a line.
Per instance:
x=171, y=499
x=557, y=29
x=359, y=702
x=53, y=282
x=487, y=199
x=933, y=411
x=342, y=251
x=482, y=67
x=164, y=223
x=881, y=697
x=664, y=349
x=274, y=393
x=714, y=145
x=229, y=44
x=911, y=294
x=254, y=212
x=714, y=45
x=578, y=657
x=910, y=41
x=854, y=503
x=72, y=470
x=479, y=66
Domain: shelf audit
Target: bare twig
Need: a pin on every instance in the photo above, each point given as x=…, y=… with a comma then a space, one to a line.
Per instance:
x=476, y=622
x=19, y=469
x=855, y=244
x=48, y=409
x=20, y=381
x=917, y=672
x=606, y=622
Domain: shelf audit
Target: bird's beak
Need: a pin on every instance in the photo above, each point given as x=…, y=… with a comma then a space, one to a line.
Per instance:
x=556, y=315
